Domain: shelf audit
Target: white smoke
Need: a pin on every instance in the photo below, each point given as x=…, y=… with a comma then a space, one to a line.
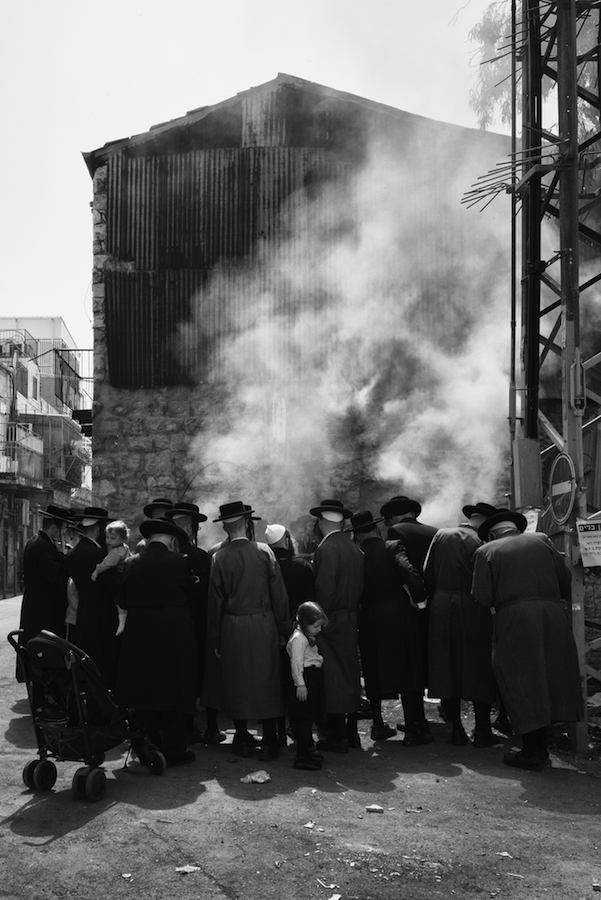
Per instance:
x=373, y=355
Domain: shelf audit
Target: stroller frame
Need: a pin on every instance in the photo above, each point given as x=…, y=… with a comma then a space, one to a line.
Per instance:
x=74, y=716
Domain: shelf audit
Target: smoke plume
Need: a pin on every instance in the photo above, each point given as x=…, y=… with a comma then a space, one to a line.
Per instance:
x=369, y=356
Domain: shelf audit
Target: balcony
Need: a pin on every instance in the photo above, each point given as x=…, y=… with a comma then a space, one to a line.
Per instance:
x=21, y=458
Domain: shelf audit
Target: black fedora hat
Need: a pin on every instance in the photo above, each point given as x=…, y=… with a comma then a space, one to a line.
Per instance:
x=56, y=512
x=364, y=521
x=502, y=515
x=399, y=505
x=160, y=503
x=91, y=515
x=185, y=510
x=479, y=509
x=234, y=510
x=163, y=525
x=334, y=506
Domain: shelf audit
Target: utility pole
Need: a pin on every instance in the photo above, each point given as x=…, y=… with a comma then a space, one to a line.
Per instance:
x=551, y=165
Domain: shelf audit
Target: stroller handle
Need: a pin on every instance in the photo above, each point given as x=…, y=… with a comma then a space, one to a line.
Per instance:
x=11, y=638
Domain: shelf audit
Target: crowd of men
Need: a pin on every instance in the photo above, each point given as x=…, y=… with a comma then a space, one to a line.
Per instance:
x=477, y=612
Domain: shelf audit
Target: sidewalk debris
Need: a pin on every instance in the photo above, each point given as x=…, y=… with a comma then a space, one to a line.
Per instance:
x=186, y=870
x=375, y=808
x=259, y=777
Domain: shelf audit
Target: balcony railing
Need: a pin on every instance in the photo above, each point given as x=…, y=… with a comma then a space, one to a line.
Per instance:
x=21, y=457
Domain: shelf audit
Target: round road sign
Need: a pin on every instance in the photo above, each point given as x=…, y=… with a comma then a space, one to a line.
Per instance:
x=563, y=488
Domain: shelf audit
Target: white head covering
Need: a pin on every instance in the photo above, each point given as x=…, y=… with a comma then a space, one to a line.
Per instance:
x=274, y=533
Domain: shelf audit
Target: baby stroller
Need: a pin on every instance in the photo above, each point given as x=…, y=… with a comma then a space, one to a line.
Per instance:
x=74, y=716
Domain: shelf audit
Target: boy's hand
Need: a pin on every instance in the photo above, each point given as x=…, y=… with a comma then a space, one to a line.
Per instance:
x=301, y=692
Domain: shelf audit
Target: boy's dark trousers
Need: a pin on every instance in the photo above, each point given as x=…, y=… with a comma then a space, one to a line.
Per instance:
x=302, y=714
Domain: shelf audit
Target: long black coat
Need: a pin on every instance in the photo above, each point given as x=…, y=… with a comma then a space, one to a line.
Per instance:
x=338, y=585
x=247, y=606
x=460, y=629
x=416, y=539
x=157, y=665
x=200, y=563
x=534, y=655
x=299, y=580
x=389, y=637
x=45, y=596
x=97, y=617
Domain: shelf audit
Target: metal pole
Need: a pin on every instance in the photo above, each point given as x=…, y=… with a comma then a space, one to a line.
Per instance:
x=573, y=399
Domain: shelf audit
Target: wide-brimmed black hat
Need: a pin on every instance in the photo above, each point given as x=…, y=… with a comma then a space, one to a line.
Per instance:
x=502, y=515
x=160, y=503
x=334, y=506
x=364, y=521
x=234, y=510
x=479, y=509
x=186, y=510
x=163, y=525
x=398, y=506
x=91, y=515
x=56, y=512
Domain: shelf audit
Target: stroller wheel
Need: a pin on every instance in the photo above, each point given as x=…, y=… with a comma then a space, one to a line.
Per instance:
x=95, y=785
x=157, y=762
x=78, y=784
x=28, y=773
x=44, y=775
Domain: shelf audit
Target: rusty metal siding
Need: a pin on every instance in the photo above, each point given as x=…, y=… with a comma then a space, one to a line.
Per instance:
x=173, y=223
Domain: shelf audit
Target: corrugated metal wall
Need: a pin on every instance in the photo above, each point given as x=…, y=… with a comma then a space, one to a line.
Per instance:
x=172, y=221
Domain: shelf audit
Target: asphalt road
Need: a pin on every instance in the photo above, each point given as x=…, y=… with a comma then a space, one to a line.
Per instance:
x=456, y=822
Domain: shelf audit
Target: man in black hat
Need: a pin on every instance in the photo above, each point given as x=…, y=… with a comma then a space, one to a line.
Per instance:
x=97, y=614
x=401, y=516
x=154, y=510
x=535, y=660
x=188, y=517
x=389, y=629
x=44, y=601
x=247, y=606
x=157, y=665
x=460, y=630
x=338, y=584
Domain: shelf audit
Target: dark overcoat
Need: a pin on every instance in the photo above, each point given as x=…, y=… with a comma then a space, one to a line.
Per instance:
x=416, y=538
x=44, y=603
x=247, y=606
x=157, y=665
x=299, y=580
x=200, y=563
x=97, y=617
x=389, y=637
x=460, y=629
x=338, y=568
x=534, y=655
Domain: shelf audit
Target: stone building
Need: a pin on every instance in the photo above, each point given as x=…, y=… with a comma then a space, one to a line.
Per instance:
x=296, y=258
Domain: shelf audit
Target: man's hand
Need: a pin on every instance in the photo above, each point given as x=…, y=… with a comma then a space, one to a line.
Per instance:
x=301, y=692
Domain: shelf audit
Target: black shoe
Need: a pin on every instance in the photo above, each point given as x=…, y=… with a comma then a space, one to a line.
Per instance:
x=417, y=740
x=382, y=732
x=458, y=736
x=364, y=711
x=518, y=760
x=268, y=752
x=214, y=736
x=308, y=763
x=333, y=746
x=180, y=759
x=354, y=741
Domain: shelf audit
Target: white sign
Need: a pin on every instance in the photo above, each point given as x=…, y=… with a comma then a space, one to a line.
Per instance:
x=589, y=538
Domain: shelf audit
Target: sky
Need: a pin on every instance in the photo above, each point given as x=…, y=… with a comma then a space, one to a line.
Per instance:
x=77, y=75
